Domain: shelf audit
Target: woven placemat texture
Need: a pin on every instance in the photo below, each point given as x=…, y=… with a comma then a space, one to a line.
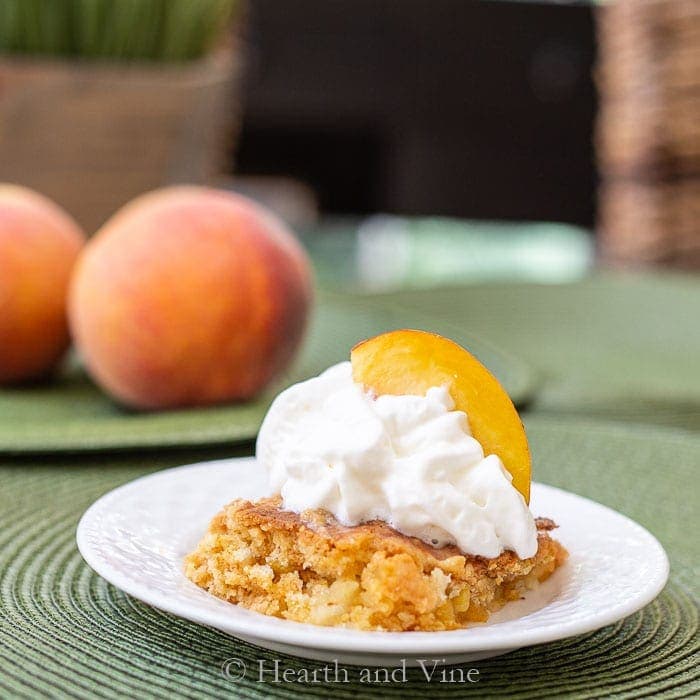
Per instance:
x=72, y=414
x=621, y=347
x=65, y=632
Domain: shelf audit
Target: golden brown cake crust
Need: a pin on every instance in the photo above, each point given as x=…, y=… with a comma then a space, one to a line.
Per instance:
x=310, y=568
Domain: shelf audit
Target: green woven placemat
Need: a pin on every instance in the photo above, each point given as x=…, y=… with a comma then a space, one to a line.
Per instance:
x=72, y=414
x=619, y=347
x=65, y=632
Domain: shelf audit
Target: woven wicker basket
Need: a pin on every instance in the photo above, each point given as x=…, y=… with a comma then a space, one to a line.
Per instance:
x=648, y=131
x=92, y=136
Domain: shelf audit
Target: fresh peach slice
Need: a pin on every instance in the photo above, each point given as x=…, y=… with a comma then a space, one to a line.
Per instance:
x=410, y=362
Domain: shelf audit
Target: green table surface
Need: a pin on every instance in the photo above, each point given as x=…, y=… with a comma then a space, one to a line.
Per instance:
x=614, y=414
x=66, y=632
x=623, y=347
x=70, y=413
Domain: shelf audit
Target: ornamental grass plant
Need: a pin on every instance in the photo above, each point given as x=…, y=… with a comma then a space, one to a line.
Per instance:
x=117, y=30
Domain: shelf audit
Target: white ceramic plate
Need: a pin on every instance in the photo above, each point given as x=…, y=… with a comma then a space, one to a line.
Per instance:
x=137, y=535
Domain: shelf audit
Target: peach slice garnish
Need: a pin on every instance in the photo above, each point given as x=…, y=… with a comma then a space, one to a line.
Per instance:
x=411, y=362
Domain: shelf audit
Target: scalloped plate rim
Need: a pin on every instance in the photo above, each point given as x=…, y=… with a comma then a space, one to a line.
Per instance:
x=260, y=628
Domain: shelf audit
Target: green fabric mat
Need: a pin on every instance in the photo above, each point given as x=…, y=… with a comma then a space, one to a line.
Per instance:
x=65, y=632
x=72, y=414
x=618, y=347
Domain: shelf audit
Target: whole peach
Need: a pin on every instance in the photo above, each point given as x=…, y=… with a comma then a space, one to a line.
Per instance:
x=39, y=243
x=189, y=296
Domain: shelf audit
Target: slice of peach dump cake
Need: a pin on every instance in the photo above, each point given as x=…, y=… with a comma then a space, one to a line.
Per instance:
x=310, y=568
x=398, y=500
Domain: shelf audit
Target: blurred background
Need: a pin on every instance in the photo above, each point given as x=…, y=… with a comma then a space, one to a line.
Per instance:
x=406, y=142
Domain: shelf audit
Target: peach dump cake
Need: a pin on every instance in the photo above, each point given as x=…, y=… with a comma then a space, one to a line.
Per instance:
x=398, y=497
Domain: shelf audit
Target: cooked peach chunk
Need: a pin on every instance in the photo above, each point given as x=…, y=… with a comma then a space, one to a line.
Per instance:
x=412, y=361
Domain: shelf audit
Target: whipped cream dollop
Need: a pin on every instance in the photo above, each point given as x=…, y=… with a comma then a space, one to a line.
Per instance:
x=407, y=460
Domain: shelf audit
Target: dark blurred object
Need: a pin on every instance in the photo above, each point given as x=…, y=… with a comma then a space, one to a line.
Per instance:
x=648, y=132
x=479, y=109
x=104, y=100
